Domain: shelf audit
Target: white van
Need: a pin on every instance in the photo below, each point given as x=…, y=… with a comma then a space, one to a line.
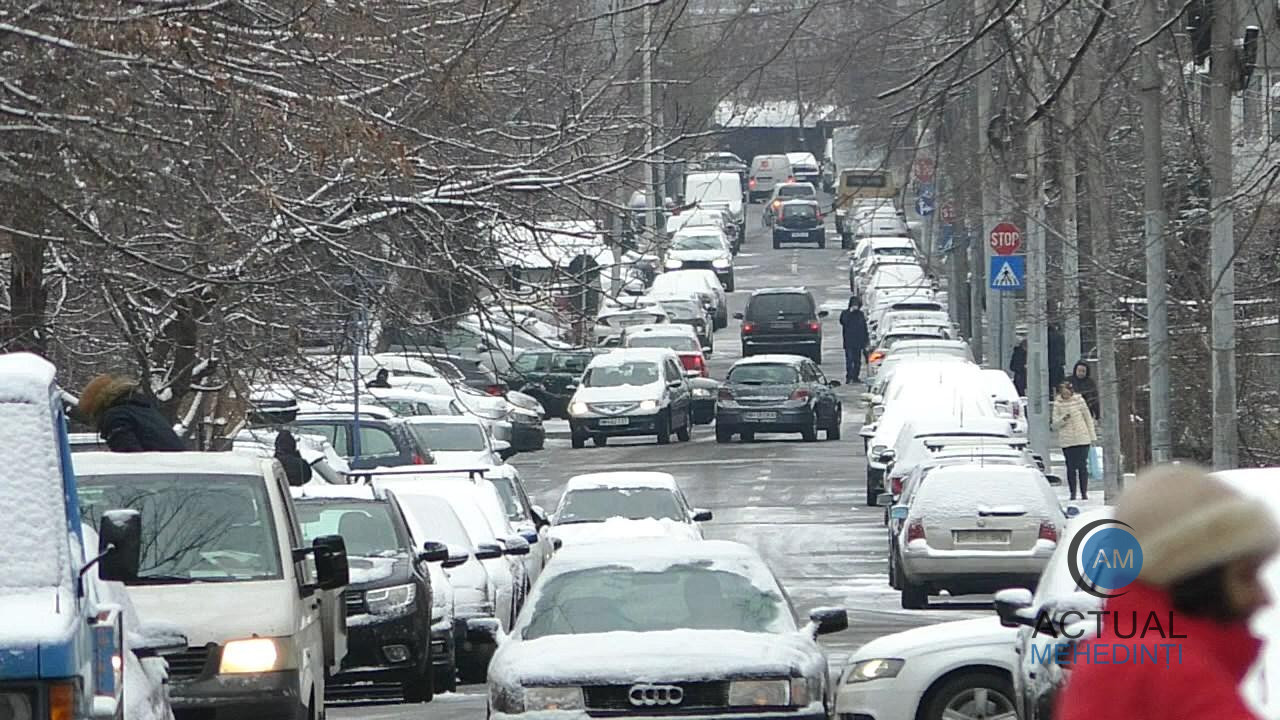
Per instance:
x=767, y=171
x=721, y=188
x=223, y=560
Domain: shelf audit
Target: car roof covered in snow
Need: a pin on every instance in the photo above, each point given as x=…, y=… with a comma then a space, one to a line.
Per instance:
x=658, y=554
x=969, y=425
x=25, y=377
x=891, y=242
x=622, y=479
x=666, y=329
x=319, y=491
x=168, y=463
x=770, y=359
x=626, y=355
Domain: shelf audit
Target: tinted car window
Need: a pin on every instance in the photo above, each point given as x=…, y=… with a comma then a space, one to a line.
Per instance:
x=532, y=362
x=570, y=363
x=674, y=342
x=450, y=437
x=697, y=242
x=629, y=373
x=785, y=304
x=366, y=528
x=788, y=191
x=681, y=310
x=600, y=504
x=799, y=211
x=764, y=374
x=376, y=441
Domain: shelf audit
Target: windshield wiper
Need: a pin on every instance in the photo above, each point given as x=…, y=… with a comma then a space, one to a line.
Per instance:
x=577, y=522
x=165, y=580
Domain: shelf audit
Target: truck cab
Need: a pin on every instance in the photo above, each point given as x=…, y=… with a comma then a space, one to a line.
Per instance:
x=62, y=642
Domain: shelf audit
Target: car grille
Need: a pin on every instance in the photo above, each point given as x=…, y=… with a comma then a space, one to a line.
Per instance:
x=188, y=664
x=354, y=600
x=697, y=265
x=613, y=699
x=612, y=408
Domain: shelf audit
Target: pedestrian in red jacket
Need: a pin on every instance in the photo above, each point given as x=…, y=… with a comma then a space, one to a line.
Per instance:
x=1203, y=545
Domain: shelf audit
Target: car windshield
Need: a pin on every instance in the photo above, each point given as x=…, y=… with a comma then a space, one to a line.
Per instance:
x=570, y=362
x=799, y=211
x=630, y=318
x=510, y=503
x=774, y=305
x=761, y=374
x=634, y=503
x=627, y=373
x=696, y=242
x=790, y=191
x=432, y=518
x=450, y=437
x=620, y=598
x=195, y=528
x=365, y=527
x=679, y=343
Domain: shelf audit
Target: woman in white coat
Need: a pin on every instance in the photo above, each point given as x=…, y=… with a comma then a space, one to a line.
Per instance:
x=1076, y=434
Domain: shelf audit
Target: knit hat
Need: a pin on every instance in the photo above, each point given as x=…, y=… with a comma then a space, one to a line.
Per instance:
x=1187, y=521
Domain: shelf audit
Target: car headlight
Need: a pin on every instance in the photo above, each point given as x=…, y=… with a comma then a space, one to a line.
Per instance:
x=674, y=264
x=649, y=405
x=390, y=600
x=760, y=693
x=522, y=416
x=720, y=262
x=874, y=670
x=701, y=392
x=552, y=698
x=255, y=655
x=578, y=408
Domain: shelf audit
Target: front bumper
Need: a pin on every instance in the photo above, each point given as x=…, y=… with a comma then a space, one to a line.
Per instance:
x=786, y=420
x=366, y=659
x=269, y=696
x=528, y=436
x=882, y=699
x=636, y=425
x=813, y=711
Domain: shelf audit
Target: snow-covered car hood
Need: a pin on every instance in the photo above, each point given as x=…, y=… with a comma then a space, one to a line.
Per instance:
x=665, y=656
x=463, y=458
x=34, y=617
x=215, y=612
x=939, y=637
x=376, y=570
x=618, y=394
x=619, y=528
x=697, y=255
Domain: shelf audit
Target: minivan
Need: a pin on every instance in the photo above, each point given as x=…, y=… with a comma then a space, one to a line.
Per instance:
x=767, y=171
x=224, y=560
x=782, y=320
x=720, y=188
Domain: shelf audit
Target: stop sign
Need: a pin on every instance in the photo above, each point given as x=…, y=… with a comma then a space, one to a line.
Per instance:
x=1005, y=238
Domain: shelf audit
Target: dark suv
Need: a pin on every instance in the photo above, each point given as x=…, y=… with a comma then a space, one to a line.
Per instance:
x=782, y=320
x=799, y=221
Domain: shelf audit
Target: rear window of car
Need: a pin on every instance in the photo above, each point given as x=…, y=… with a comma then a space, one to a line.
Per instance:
x=762, y=374
x=801, y=211
x=787, y=191
x=784, y=304
x=674, y=342
x=961, y=490
x=570, y=362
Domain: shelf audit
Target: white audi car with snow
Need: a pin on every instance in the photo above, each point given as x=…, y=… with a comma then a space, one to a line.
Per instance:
x=624, y=505
x=649, y=627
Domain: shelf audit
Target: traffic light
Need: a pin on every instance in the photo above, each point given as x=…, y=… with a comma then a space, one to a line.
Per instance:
x=1200, y=28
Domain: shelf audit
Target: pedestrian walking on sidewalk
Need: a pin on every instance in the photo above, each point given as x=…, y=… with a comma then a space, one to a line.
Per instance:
x=1203, y=546
x=1085, y=387
x=853, y=325
x=1018, y=366
x=1076, y=434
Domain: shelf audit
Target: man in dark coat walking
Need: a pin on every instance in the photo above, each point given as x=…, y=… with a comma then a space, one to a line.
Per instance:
x=126, y=417
x=381, y=380
x=1057, y=355
x=1018, y=366
x=854, y=328
x=295, y=467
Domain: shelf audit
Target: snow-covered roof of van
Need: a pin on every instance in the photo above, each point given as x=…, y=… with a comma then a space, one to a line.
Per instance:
x=166, y=463
x=25, y=377
x=551, y=244
x=622, y=479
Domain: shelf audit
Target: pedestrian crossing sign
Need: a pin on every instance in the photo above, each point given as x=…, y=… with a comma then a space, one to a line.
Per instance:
x=1008, y=272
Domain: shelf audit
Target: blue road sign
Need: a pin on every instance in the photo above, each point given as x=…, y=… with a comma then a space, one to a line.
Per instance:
x=948, y=239
x=925, y=205
x=1008, y=272
x=926, y=190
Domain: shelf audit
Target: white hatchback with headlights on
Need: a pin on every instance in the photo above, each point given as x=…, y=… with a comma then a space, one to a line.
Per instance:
x=702, y=248
x=947, y=671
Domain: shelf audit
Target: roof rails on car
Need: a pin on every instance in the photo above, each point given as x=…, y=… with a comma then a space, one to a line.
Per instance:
x=367, y=475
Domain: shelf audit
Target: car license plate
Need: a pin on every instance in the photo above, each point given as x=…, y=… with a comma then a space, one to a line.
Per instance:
x=780, y=326
x=760, y=416
x=615, y=421
x=981, y=537
x=800, y=234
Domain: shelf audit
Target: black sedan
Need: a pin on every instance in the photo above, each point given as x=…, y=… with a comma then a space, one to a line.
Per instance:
x=799, y=221
x=777, y=393
x=662, y=628
x=549, y=375
x=389, y=597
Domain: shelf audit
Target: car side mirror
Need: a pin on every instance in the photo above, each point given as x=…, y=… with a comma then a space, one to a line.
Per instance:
x=516, y=545
x=887, y=456
x=738, y=316
x=481, y=347
x=834, y=383
x=675, y=384
x=332, y=570
x=868, y=430
x=823, y=313
x=556, y=543
x=884, y=500
x=488, y=551
x=700, y=515
x=433, y=551
x=457, y=556
x=119, y=545
x=706, y=352
x=157, y=639
x=1013, y=606
x=827, y=620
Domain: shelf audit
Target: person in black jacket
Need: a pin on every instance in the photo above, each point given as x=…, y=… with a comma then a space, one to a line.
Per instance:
x=295, y=467
x=126, y=417
x=381, y=380
x=1018, y=365
x=854, y=328
x=1057, y=355
x=1085, y=387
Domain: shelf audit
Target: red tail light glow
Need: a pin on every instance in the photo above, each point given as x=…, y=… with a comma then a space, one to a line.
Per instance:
x=748, y=327
x=876, y=356
x=800, y=395
x=814, y=327
x=1048, y=531
x=896, y=483
x=419, y=460
x=494, y=390
x=751, y=183
x=915, y=531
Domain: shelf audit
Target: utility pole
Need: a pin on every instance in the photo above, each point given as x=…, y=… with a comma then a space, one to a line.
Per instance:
x=1222, y=70
x=1070, y=230
x=1037, y=318
x=979, y=249
x=655, y=193
x=1154, y=219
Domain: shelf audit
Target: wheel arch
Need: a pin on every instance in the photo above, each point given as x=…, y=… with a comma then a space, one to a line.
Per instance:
x=972, y=669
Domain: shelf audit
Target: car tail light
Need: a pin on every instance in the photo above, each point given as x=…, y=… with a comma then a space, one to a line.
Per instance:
x=876, y=356
x=896, y=484
x=419, y=460
x=1048, y=531
x=915, y=530
x=777, y=204
x=494, y=390
x=725, y=394
x=748, y=327
x=800, y=395
x=814, y=327
x=751, y=183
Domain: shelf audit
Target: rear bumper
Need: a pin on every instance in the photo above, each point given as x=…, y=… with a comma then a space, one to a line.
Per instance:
x=978, y=571
x=806, y=713
x=781, y=342
x=787, y=420
x=781, y=234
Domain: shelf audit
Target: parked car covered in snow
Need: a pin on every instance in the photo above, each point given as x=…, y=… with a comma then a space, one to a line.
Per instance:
x=618, y=505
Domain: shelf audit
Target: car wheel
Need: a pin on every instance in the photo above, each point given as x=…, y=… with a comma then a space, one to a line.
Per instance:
x=914, y=597
x=447, y=678
x=722, y=320
x=421, y=687
x=600, y=440
x=810, y=431
x=578, y=441
x=724, y=434
x=977, y=694
x=664, y=430
x=685, y=432
x=833, y=430
x=873, y=493
x=895, y=572
x=748, y=436
x=728, y=286
x=777, y=245
x=822, y=243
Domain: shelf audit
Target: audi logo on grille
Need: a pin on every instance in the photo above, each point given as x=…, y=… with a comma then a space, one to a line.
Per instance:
x=650, y=695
